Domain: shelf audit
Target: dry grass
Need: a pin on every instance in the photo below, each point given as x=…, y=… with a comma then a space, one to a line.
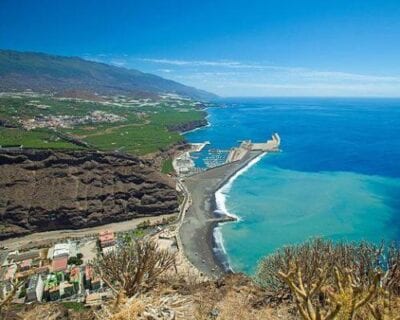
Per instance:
x=131, y=310
x=236, y=298
x=48, y=311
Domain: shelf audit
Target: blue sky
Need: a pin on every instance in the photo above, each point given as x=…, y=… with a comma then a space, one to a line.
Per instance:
x=232, y=48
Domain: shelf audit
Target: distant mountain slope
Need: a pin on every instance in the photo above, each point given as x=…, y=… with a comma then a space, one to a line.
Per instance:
x=43, y=72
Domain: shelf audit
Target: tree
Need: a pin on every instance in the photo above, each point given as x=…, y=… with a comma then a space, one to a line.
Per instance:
x=75, y=260
x=343, y=281
x=346, y=297
x=6, y=300
x=134, y=267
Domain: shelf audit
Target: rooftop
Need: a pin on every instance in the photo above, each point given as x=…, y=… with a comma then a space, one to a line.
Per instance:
x=106, y=237
x=26, y=263
x=33, y=281
x=61, y=249
x=11, y=270
x=60, y=264
x=88, y=272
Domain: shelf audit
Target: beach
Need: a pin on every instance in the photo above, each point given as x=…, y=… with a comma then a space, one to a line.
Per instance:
x=201, y=218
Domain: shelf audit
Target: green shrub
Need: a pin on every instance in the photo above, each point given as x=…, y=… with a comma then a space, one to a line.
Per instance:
x=75, y=260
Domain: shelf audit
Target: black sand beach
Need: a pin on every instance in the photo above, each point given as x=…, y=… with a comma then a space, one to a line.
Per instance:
x=196, y=232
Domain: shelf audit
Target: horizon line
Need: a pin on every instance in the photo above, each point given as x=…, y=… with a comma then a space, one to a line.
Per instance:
x=321, y=97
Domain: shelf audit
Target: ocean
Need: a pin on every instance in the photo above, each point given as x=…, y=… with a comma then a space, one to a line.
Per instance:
x=337, y=175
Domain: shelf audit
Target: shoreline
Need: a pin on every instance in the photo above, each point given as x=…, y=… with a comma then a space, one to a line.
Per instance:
x=202, y=218
x=197, y=128
x=220, y=210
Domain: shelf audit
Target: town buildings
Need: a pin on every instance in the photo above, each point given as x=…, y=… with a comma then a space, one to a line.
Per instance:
x=53, y=273
x=34, y=292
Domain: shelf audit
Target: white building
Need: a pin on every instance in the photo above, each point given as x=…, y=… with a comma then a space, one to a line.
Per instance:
x=35, y=289
x=61, y=250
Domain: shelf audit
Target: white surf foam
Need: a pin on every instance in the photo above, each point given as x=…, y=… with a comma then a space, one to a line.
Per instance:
x=220, y=250
x=222, y=193
x=220, y=201
x=199, y=128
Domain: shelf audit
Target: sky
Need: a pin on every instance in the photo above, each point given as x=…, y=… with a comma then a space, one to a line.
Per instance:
x=229, y=47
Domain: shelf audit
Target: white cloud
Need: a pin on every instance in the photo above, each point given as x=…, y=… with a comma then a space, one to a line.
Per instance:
x=165, y=70
x=235, y=78
x=194, y=63
x=294, y=71
x=118, y=62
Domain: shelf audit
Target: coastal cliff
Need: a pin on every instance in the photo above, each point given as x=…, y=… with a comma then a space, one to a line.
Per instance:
x=50, y=190
x=187, y=126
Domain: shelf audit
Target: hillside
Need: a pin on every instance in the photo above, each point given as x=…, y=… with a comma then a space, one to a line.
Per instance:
x=87, y=189
x=43, y=73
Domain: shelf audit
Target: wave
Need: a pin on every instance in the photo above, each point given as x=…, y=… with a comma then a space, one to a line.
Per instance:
x=221, y=193
x=221, y=209
x=219, y=249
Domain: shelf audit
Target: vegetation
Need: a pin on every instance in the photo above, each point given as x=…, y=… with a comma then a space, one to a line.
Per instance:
x=130, y=236
x=75, y=260
x=44, y=72
x=137, y=140
x=144, y=127
x=134, y=267
x=76, y=306
x=144, y=225
x=39, y=138
x=5, y=300
x=167, y=166
x=317, y=280
x=22, y=292
x=336, y=281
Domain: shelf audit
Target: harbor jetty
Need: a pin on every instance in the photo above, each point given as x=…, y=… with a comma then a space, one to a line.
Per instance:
x=185, y=166
x=246, y=146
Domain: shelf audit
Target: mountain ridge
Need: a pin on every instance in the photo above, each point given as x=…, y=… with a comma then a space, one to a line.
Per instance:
x=44, y=72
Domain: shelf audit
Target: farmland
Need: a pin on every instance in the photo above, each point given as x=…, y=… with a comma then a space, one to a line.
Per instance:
x=110, y=124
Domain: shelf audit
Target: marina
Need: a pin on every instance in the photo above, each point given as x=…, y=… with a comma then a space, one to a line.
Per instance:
x=185, y=164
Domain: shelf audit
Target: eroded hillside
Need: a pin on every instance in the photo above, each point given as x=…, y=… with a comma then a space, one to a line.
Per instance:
x=49, y=190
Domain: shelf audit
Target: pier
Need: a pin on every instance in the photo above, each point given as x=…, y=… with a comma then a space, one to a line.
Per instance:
x=184, y=165
x=246, y=146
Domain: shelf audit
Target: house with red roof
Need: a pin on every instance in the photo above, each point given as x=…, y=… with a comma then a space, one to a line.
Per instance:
x=59, y=264
x=106, y=239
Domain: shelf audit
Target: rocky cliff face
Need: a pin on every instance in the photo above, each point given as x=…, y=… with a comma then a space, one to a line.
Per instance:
x=187, y=126
x=48, y=190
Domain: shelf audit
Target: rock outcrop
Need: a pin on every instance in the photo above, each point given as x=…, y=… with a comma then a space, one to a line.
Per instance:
x=50, y=190
x=187, y=126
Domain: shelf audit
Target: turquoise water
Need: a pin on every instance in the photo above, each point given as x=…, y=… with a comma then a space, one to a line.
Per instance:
x=338, y=175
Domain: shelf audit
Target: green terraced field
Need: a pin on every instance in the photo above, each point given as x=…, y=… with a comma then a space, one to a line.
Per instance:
x=136, y=139
x=144, y=130
x=167, y=166
x=40, y=139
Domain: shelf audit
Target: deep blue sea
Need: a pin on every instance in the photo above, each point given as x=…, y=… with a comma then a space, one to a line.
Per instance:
x=337, y=176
